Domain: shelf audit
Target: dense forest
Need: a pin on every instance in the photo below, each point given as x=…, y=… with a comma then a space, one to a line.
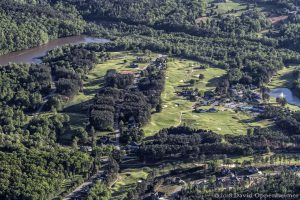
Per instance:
x=33, y=162
x=187, y=143
x=25, y=25
x=144, y=12
x=69, y=65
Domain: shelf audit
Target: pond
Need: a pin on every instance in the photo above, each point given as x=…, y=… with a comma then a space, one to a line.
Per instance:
x=287, y=94
x=34, y=54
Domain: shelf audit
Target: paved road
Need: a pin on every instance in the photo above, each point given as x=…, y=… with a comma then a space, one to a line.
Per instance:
x=90, y=182
x=117, y=127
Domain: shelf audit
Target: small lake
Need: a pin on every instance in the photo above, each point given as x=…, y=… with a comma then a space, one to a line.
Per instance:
x=287, y=94
x=33, y=55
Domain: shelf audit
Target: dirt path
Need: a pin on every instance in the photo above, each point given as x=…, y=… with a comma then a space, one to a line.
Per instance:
x=180, y=117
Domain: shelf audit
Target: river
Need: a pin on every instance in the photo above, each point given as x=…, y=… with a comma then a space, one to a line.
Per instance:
x=287, y=94
x=33, y=55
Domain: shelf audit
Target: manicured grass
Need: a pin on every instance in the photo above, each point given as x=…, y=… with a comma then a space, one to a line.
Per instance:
x=223, y=122
x=291, y=107
x=178, y=72
x=177, y=110
x=284, y=77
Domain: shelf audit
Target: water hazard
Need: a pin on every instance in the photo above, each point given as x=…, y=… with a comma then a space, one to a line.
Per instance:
x=287, y=94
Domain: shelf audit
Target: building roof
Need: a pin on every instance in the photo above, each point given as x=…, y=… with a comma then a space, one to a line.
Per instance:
x=127, y=72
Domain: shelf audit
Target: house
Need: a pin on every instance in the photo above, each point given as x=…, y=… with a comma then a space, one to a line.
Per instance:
x=131, y=122
x=86, y=148
x=64, y=98
x=258, y=110
x=158, y=195
x=182, y=182
x=161, y=60
x=201, y=182
x=246, y=178
x=133, y=146
x=220, y=181
x=225, y=171
x=104, y=140
x=179, y=181
x=203, y=102
x=186, y=93
x=234, y=178
x=133, y=65
x=231, y=175
x=127, y=72
x=293, y=13
x=253, y=170
x=293, y=168
x=199, y=111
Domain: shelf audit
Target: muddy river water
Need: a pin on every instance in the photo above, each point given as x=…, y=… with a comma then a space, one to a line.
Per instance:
x=33, y=55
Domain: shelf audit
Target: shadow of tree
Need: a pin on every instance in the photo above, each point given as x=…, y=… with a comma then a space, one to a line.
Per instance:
x=214, y=81
x=82, y=107
x=90, y=91
x=94, y=82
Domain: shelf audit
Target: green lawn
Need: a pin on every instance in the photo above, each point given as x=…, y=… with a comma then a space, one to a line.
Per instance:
x=223, y=122
x=178, y=72
x=284, y=77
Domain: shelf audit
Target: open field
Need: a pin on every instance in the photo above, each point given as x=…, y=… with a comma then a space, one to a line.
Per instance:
x=237, y=7
x=230, y=5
